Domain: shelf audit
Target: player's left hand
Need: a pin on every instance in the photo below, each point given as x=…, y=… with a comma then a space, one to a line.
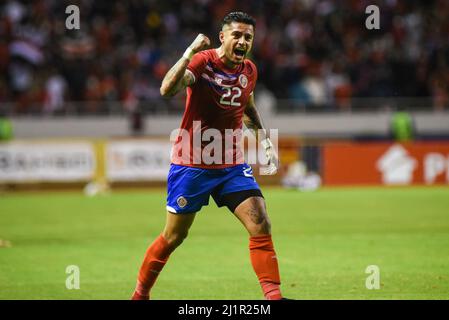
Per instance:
x=272, y=156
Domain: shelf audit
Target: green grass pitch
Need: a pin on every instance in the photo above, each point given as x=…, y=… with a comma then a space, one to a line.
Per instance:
x=324, y=241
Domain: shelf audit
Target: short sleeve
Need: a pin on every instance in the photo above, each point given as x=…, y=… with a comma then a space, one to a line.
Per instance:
x=255, y=77
x=197, y=64
x=253, y=74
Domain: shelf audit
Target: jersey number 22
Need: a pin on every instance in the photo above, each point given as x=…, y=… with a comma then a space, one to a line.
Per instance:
x=231, y=93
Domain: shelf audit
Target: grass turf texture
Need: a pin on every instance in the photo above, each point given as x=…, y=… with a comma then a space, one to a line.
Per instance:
x=324, y=241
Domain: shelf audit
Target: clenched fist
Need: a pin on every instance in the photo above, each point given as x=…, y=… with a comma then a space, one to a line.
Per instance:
x=200, y=43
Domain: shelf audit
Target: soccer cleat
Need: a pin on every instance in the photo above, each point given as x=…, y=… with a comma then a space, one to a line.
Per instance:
x=138, y=296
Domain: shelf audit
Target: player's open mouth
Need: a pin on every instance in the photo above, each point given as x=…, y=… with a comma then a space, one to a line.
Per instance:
x=239, y=52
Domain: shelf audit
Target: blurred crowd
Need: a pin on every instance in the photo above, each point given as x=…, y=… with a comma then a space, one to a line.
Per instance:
x=310, y=53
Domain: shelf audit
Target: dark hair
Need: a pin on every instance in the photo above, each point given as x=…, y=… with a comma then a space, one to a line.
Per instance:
x=238, y=17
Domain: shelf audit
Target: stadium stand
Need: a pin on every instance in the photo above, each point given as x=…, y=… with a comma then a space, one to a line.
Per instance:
x=311, y=54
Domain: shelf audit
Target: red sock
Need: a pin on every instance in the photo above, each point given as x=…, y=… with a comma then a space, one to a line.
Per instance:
x=155, y=259
x=265, y=264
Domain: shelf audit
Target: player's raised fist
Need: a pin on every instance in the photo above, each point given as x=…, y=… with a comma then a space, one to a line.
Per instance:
x=200, y=43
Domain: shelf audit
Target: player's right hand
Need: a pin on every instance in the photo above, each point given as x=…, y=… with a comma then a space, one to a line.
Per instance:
x=200, y=43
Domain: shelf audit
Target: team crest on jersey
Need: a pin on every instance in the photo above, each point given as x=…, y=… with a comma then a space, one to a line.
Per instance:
x=243, y=80
x=181, y=201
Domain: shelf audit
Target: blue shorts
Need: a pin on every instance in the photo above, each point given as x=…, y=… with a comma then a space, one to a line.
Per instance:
x=189, y=188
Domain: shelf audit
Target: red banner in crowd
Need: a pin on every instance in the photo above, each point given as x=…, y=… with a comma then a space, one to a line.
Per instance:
x=386, y=163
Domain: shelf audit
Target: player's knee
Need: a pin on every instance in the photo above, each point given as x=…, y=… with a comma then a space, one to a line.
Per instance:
x=261, y=225
x=265, y=226
x=175, y=238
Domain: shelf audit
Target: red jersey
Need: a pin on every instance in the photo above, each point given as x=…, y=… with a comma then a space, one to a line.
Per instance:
x=211, y=129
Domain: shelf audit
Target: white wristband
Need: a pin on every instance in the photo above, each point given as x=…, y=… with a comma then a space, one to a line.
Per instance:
x=188, y=54
x=266, y=143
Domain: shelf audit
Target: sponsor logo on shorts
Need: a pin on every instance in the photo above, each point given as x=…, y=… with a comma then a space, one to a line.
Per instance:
x=181, y=201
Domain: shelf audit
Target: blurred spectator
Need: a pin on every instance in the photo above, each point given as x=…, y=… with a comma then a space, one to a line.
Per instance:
x=265, y=102
x=54, y=93
x=313, y=53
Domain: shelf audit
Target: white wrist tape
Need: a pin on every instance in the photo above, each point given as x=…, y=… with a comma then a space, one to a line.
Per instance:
x=266, y=143
x=188, y=54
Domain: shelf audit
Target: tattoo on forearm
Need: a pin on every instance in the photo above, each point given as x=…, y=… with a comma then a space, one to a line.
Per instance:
x=252, y=119
x=173, y=80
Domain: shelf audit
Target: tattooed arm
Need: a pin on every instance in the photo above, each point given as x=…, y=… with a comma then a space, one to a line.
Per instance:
x=253, y=121
x=178, y=77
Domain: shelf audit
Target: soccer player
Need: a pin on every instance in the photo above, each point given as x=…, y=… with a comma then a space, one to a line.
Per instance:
x=220, y=84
